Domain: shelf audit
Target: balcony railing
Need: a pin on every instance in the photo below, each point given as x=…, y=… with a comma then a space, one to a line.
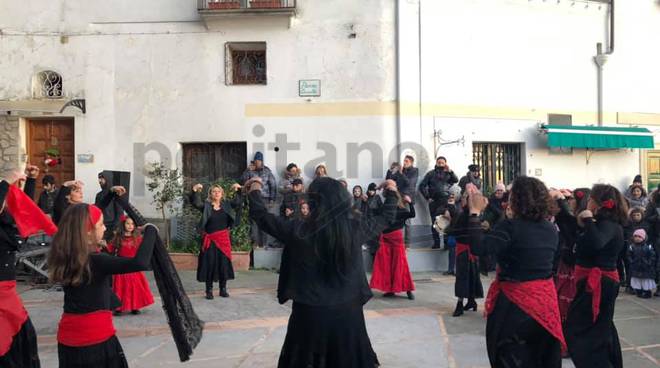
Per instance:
x=240, y=6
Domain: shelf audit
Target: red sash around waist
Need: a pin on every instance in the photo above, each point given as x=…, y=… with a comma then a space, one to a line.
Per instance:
x=77, y=330
x=462, y=248
x=393, y=239
x=537, y=298
x=594, y=275
x=12, y=314
x=221, y=239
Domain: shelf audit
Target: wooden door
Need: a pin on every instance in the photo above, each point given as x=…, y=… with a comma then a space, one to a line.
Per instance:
x=208, y=162
x=52, y=134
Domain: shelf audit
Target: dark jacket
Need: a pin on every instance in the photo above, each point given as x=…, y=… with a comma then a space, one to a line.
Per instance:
x=112, y=210
x=494, y=212
x=412, y=174
x=374, y=205
x=401, y=180
x=47, y=201
x=467, y=179
x=436, y=181
x=231, y=207
x=303, y=277
x=269, y=186
x=293, y=201
x=643, y=261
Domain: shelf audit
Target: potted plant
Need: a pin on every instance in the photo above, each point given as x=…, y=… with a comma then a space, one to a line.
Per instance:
x=265, y=4
x=167, y=190
x=224, y=4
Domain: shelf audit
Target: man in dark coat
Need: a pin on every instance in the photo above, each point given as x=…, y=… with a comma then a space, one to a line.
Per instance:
x=268, y=194
x=47, y=197
x=473, y=176
x=435, y=188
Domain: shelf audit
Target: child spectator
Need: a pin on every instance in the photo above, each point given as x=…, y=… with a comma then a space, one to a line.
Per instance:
x=643, y=264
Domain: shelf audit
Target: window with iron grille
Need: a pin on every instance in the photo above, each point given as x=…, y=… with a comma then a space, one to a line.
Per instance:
x=498, y=162
x=245, y=63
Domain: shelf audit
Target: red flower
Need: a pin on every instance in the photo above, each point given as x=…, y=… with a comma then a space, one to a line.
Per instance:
x=609, y=204
x=579, y=195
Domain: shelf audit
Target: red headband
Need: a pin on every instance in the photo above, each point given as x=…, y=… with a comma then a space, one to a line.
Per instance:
x=123, y=218
x=579, y=195
x=609, y=204
x=95, y=214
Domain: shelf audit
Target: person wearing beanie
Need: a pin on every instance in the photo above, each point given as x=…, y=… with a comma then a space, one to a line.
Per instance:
x=643, y=264
x=268, y=193
x=435, y=186
x=291, y=173
x=290, y=207
x=636, y=221
x=473, y=176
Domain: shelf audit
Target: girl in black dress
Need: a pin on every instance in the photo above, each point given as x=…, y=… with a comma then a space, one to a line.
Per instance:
x=523, y=328
x=86, y=335
x=590, y=333
x=218, y=217
x=323, y=273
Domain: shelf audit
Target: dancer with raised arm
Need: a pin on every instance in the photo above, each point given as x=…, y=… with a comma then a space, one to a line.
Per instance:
x=323, y=273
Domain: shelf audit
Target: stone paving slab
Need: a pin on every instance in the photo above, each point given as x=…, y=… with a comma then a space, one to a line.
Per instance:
x=248, y=329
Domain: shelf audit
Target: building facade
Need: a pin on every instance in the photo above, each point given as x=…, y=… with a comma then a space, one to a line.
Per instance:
x=352, y=84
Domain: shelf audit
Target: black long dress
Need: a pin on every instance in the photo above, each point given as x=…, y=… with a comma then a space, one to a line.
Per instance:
x=596, y=343
x=23, y=351
x=326, y=327
x=525, y=251
x=96, y=295
x=468, y=282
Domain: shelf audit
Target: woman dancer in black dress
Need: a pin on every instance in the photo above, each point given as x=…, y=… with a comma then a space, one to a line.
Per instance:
x=590, y=332
x=323, y=273
x=523, y=329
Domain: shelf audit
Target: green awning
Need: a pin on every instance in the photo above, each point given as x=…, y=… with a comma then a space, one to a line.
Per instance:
x=598, y=137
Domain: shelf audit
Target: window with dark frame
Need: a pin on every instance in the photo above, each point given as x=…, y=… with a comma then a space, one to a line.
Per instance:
x=246, y=63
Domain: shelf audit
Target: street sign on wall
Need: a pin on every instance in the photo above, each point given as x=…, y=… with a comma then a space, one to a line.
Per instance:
x=309, y=88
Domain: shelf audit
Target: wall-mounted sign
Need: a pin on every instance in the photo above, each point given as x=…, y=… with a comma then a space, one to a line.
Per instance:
x=309, y=88
x=86, y=158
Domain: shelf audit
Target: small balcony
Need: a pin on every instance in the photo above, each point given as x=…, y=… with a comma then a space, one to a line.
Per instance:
x=211, y=10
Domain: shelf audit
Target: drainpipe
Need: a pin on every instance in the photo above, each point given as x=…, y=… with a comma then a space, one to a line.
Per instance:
x=601, y=58
x=397, y=84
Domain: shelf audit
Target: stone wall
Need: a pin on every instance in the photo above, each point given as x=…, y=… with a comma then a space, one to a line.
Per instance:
x=9, y=144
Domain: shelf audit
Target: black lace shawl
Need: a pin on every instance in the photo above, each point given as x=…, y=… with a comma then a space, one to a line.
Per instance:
x=186, y=327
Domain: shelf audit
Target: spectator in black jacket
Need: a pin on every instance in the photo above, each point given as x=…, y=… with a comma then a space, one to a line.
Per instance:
x=112, y=211
x=473, y=176
x=435, y=188
x=290, y=207
x=47, y=197
x=412, y=174
x=643, y=264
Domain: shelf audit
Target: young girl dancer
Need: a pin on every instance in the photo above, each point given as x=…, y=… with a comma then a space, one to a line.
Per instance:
x=131, y=288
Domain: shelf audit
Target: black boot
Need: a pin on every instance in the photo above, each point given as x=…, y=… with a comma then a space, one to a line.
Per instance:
x=639, y=293
x=471, y=304
x=657, y=292
x=209, y=290
x=459, y=309
x=411, y=296
x=223, y=289
x=388, y=295
x=647, y=294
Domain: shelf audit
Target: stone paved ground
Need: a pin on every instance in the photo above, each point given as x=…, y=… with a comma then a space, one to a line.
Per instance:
x=247, y=329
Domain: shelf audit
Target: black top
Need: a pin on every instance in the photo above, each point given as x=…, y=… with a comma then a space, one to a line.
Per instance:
x=231, y=208
x=402, y=214
x=97, y=294
x=112, y=211
x=436, y=181
x=47, y=201
x=219, y=220
x=600, y=244
x=525, y=250
x=301, y=271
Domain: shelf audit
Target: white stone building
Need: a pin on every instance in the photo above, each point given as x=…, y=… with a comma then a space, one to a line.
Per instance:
x=203, y=87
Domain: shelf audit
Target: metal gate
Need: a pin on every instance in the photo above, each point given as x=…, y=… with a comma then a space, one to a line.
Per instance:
x=498, y=162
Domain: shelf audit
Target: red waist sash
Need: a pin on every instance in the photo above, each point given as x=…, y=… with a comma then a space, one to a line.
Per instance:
x=537, y=298
x=12, y=314
x=77, y=330
x=221, y=239
x=594, y=275
x=462, y=248
x=392, y=239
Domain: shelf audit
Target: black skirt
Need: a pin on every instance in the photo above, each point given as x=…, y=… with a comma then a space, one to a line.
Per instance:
x=515, y=340
x=107, y=354
x=593, y=344
x=327, y=337
x=213, y=265
x=23, y=351
x=468, y=283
